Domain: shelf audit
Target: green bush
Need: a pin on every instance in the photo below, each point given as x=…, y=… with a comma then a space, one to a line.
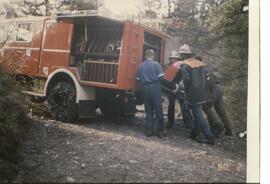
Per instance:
x=11, y=119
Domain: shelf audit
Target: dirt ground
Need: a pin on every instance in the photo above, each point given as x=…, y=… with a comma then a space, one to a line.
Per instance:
x=116, y=150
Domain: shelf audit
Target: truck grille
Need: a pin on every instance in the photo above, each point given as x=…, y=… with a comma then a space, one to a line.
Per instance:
x=100, y=71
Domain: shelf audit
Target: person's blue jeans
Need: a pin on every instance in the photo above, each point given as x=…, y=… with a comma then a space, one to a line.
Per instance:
x=199, y=121
x=185, y=110
x=153, y=105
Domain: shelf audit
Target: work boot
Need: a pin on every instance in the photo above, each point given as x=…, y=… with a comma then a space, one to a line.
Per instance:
x=228, y=133
x=169, y=126
x=161, y=134
x=149, y=133
x=194, y=133
x=206, y=141
x=218, y=131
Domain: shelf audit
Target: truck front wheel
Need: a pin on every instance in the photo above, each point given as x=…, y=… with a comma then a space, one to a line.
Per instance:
x=62, y=101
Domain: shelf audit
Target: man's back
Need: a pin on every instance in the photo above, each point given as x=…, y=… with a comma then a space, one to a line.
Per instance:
x=194, y=77
x=149, y=71
x=149, y=74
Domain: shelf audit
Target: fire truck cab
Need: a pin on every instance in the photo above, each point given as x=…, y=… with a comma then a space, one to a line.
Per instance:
x=79, y=61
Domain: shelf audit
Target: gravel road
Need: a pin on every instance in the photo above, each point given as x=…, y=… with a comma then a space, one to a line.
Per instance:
x=116, y=150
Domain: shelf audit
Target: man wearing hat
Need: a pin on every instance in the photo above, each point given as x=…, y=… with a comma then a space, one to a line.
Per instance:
x=214, y=104
x=193, y=73
x=188, y=120
x=149, y=75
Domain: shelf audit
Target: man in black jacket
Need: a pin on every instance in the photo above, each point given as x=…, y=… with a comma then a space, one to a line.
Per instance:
x=193, y=74
x=215, y=102
x=185, y=110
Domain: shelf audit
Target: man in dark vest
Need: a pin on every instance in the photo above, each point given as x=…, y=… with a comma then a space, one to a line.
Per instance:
x=214, y=104
x=193, y=74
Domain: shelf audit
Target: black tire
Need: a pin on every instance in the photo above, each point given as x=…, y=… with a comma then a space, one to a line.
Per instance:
x=62, y=102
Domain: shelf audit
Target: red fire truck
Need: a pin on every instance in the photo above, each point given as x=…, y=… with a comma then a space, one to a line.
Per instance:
x=79, y=61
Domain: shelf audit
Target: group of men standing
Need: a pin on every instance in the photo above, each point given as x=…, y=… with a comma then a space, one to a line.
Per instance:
x=193, y=85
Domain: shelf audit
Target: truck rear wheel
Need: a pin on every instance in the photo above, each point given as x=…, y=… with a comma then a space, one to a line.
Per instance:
x=62, y=101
